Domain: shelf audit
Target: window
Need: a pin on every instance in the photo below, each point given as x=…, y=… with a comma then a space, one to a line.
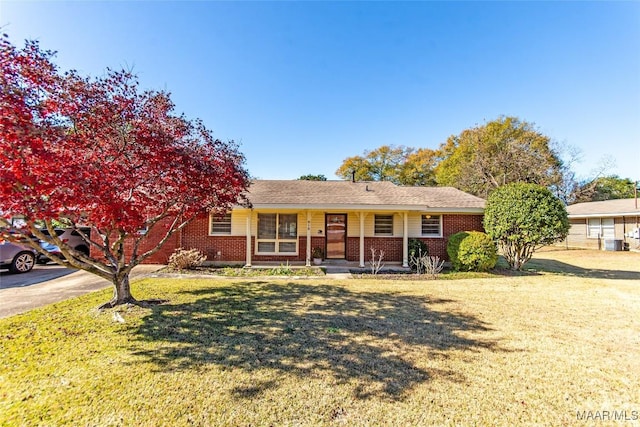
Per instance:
x=600, y=227
x=593, y=227
x=608, y=229
x=432, y=225
x=383, y=225
x=278, y=233
x=220, y=224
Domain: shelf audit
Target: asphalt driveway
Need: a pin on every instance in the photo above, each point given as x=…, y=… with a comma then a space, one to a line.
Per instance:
x=49, y=284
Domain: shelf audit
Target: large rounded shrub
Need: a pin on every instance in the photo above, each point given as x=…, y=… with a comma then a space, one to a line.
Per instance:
x=472, y=251
x=522, y=218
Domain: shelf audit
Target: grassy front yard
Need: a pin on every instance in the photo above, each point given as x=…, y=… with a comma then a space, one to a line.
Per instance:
x=530, y=349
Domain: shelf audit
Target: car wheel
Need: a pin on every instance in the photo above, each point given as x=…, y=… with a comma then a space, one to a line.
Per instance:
x=23, y=262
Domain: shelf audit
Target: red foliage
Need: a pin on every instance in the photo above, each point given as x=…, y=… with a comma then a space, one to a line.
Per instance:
x=102, y=152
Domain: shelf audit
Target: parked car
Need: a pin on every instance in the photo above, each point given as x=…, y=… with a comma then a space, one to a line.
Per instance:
x=49, y=247
x=53, y=251
x=72, y=238
x=16, y=257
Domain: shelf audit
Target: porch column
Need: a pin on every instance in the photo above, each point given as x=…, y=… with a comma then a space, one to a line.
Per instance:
x=362, y=215
x=308, y=257
x=405, y=239
x=248, y=232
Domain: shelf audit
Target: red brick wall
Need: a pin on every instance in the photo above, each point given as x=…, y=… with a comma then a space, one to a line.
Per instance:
x=233, y=248
x=392, y=247
x=149, y=241
x=217, y=248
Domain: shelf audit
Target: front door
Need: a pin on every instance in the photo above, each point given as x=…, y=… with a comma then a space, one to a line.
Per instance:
x=336, y=226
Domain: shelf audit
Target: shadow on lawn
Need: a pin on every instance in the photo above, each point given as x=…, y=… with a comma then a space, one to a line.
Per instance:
x=310, y=331
x=557, y=267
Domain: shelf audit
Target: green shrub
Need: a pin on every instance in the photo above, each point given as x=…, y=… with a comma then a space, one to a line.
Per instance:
x=478, y=252
x=472, y=251
x=453, y=247
x=522, y=218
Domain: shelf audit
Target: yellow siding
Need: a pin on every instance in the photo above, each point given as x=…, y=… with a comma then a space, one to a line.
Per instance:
x=317, y=223
x=398, y=225
x=353, y=224
x=415, y=225
x=239, y=222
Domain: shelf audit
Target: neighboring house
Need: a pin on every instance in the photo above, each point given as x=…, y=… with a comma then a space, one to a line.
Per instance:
x=607, y=225
x=287, y=219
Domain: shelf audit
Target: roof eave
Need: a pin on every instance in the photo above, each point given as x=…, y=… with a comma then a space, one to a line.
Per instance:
x=352, y=207
x=603, y=215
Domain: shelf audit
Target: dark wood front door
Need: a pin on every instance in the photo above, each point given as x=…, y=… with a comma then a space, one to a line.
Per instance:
x=336, y=226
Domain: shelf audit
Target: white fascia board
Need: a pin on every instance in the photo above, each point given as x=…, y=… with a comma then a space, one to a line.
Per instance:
x=604, y=215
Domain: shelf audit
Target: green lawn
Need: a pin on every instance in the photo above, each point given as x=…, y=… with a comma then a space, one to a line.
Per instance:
x=530, y=349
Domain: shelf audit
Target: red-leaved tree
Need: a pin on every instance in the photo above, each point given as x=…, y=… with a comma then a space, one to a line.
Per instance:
x=103, y=154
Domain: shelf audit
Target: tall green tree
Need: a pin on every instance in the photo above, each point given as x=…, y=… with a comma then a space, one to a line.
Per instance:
x=418, y=168
x=503, y=151
x=382, y=164
x=606, y=188
x=312, y=178
x=521, y=218
x=400, y=165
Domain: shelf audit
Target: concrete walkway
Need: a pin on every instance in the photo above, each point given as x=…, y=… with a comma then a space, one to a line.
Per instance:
x=19, y=299
x=337, y=272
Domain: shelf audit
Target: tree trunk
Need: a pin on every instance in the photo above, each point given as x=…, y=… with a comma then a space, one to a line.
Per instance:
x=121, y=292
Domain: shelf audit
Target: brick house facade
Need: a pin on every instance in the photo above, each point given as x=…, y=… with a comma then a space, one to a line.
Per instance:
x=287, y=219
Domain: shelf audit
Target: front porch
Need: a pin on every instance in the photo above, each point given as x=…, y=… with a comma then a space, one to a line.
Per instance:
x=274, y=236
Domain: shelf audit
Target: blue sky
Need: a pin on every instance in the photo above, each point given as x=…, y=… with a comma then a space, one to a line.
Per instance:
x=303, y=85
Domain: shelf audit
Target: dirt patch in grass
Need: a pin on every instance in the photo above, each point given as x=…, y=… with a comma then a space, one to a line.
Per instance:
x=536, y=349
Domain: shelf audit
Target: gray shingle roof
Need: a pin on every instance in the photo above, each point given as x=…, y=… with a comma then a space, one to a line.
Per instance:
x=617, y=207
x=363, y=195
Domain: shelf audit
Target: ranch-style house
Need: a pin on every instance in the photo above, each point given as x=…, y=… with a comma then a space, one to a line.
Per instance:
x=286, y=219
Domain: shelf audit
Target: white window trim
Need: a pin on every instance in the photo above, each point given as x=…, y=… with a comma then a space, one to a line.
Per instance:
x=431, y=236
x=277, y=240
x=601, y=228
x=211, y=216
